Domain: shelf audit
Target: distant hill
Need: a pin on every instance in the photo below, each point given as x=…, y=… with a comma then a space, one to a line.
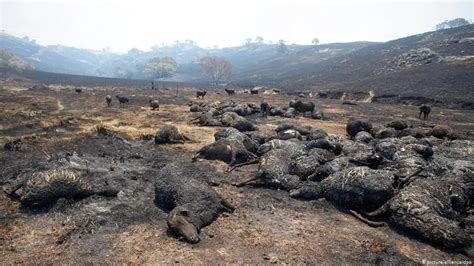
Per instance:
x=56, y=58
x=11, y=61
x=279, y=67
x=438, y=64
x=245, y=59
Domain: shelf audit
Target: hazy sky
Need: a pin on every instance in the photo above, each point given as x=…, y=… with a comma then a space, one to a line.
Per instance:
x=121, y=25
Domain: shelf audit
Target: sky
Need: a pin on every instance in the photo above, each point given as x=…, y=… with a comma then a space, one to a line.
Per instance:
x=122, y=25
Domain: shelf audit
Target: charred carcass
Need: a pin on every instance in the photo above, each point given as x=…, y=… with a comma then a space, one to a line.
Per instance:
x=181, y=189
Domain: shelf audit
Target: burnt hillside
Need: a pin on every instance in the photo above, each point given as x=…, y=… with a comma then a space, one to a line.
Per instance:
x=436, y=64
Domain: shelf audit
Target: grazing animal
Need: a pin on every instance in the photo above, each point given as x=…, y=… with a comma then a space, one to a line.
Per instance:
x=108, y=99
x=230, y=92
x=122, y=100
x=254, y=91
x=303, y=107
x=78, y=90
x=154, y=104
x=277, y=91
x=264, y=108
x=201, y=94
x=425, y=110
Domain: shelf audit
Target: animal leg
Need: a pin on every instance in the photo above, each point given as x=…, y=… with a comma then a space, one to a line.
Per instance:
x=382, y=210
x=408, y=179
x=241, y=184
x=367, y=221
x=227, y=205
x=243, y=164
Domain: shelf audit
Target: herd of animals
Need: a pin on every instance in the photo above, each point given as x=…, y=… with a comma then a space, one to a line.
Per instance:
x=417, y=180
x=299, y=106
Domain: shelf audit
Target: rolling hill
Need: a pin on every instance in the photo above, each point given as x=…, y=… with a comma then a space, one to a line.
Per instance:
x=245, y=59
x=438, y=65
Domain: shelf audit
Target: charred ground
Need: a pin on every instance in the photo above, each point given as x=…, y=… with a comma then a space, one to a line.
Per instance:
x=267, y=226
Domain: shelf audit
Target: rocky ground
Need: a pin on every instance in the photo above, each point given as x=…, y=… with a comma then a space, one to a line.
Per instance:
x=267, y=226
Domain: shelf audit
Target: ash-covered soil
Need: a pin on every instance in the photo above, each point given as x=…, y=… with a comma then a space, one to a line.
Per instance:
x=267, y=226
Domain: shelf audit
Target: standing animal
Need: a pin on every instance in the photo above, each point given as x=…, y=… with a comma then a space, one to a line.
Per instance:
x=201, y=94
x=122, y=100
x=425, y=110
x=230, y=92
x=303, y=107
x=254, y=91
x=108, y=99
x=78, y=90
x=276, y=91
x=154, y=104
x=264, y=108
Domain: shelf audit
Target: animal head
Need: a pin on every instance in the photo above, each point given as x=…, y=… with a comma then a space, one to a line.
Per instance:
x=292, y=103
x=178, y=222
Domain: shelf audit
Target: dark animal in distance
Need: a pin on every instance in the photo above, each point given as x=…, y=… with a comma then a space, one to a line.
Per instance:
x=254, y=91
x=425, y=110
x=303, y=107
x=78, y=90
x=154, y=104
x=292, y=103
x=264, y=108
x=277, y=91
x=122, y=100
x=152, y=86
x=230, y=92
x=108, y=99
x=15, y=145
x=201, y=94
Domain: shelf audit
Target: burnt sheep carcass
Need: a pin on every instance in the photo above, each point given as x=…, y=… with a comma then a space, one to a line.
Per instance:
x=181, y=190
